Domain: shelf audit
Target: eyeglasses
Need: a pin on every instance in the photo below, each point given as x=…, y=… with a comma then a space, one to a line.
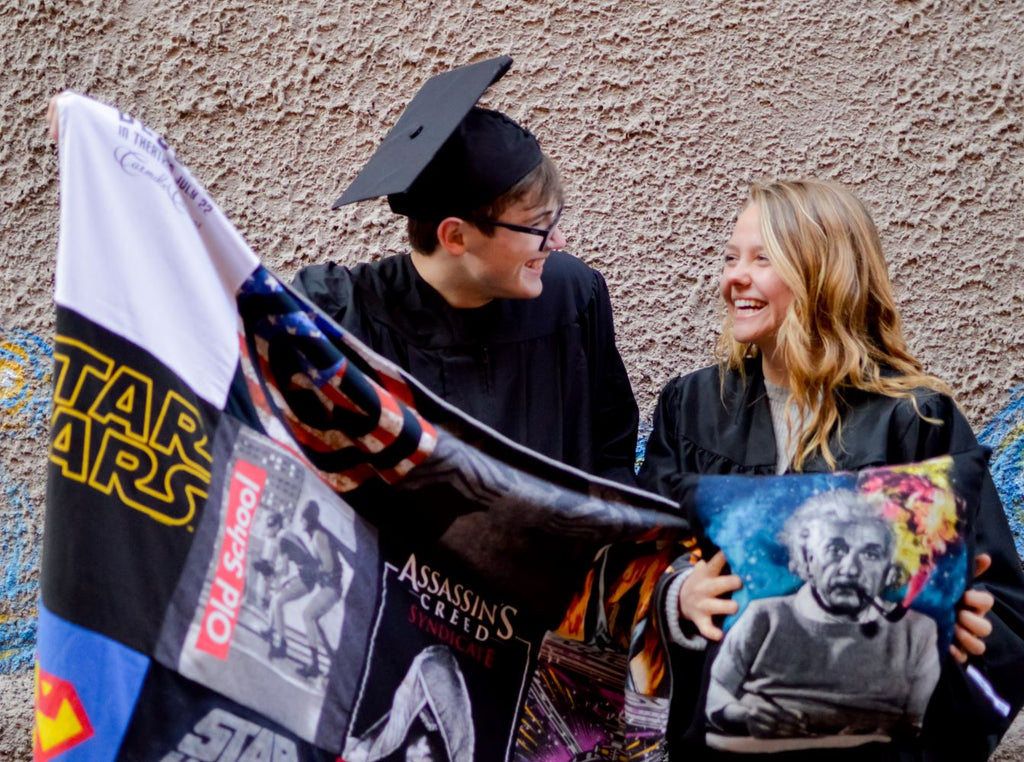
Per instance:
x=544, y=233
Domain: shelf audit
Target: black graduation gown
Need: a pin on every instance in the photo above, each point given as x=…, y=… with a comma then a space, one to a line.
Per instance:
x=702, y=428
x=544, y=372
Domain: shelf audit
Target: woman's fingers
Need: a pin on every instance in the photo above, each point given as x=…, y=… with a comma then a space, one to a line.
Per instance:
x=700, y=595
x=965, y=644
x=981, y=564
x=972, y=627
x=978, y=601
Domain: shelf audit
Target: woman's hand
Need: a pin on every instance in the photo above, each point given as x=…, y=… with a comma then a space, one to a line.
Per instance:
x=972, y=627
x=700, y=597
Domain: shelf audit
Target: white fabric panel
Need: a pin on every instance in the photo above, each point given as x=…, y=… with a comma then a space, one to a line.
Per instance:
x=154, y=259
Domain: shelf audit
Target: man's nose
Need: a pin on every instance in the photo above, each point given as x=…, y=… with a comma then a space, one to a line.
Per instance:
x=849, y=564
x=556, y=239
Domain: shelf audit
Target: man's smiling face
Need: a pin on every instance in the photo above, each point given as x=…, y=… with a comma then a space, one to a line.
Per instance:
x=509, y=263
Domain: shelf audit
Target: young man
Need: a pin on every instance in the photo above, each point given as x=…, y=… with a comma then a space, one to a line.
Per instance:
x=487, y=311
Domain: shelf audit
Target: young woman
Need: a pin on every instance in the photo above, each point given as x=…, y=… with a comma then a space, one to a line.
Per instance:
x=814, y=374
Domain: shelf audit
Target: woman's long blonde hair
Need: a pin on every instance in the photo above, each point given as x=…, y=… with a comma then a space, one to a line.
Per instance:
x=842, y=329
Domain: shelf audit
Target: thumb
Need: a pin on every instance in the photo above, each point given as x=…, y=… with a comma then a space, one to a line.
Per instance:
x=982, y=562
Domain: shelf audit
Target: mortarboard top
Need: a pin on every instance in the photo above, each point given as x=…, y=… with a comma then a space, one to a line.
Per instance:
x=445, y=156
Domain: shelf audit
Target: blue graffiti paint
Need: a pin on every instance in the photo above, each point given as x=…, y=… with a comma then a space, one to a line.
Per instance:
x=1005, y=435
x=26, y=362
x=641, y=444
x=19, y=551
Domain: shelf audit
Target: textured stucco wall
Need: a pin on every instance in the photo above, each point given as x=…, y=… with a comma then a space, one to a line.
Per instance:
x=659, y=114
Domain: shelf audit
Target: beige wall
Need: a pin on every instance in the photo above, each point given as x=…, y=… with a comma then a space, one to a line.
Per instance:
x=659, y=114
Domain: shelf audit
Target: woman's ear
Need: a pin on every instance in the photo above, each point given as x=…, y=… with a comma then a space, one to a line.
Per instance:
x=451, y=235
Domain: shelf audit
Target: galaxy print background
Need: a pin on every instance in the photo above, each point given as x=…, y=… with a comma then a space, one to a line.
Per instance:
x=744, y=516
x=574, y=706
x=579, y=707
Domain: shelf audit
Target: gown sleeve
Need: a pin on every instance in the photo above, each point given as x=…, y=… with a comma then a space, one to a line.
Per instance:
x=329, y=287
x=615, y=414
x=662, y=469
x=1003, y=661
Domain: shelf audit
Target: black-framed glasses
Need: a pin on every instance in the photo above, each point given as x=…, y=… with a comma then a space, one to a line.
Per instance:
x=544, y=233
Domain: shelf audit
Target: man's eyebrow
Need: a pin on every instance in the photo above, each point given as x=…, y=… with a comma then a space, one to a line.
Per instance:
x=542, y=216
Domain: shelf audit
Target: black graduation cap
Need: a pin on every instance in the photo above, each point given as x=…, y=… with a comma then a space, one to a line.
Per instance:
x=446, y=156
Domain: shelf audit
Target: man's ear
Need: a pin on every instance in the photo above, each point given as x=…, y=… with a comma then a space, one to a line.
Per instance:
x=803, y=565
x=895, y=577
x=451, y=235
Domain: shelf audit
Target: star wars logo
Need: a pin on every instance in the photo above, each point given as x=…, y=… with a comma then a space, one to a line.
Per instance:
x=223, y=737
x=115, y=430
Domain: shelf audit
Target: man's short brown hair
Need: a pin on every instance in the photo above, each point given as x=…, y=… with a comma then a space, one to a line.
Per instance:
x=540, y=185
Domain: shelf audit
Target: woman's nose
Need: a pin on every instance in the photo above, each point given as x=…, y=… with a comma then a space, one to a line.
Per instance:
x=737, y=273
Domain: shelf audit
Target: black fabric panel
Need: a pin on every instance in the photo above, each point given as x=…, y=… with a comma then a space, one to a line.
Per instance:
x=89, y=577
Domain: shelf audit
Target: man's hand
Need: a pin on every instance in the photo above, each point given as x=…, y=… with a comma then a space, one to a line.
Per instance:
x=700, y=597
x=761, y=718
x=51, y=118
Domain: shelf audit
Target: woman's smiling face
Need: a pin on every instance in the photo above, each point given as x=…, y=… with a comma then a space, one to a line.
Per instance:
x=755, y=295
